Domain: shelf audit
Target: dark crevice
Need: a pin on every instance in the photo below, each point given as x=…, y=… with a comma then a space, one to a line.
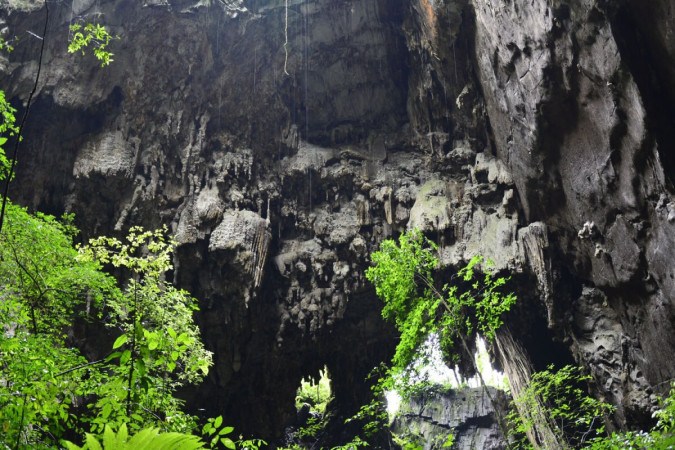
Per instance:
x=651, y=66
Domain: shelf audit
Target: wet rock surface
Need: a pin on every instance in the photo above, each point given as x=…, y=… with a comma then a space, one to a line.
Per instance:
x=573, y=121
x=282, y=145
x=467, y=413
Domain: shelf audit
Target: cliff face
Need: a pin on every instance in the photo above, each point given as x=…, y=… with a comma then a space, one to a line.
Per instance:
x=281, y=145
x=581, y=110
x=428, y=417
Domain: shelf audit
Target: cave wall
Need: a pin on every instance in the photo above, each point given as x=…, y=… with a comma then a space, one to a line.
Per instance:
x=577, y=121
x=281, y=146
x=428, y=417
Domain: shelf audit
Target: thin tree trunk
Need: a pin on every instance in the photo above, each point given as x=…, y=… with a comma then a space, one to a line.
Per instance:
x=518, y=368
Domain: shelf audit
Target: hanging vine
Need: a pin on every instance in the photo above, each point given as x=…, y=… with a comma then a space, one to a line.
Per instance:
x=286, y=41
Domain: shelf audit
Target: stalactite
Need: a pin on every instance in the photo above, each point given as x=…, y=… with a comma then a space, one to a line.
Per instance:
x=261, y=241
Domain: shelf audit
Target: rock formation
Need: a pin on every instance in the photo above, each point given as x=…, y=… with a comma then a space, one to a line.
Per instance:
x=282, y=141
x=466, y=413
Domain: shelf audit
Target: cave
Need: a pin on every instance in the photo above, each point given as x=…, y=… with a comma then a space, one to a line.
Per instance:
x=282, y=142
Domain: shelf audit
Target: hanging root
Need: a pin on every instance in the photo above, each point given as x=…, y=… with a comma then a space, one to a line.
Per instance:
x=286, y=41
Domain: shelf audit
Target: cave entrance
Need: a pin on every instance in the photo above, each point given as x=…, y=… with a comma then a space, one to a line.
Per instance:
x=432, y=370
x=313, y=394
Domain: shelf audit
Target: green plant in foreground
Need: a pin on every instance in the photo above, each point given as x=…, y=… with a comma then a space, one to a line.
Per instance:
x=403, y=277
x=661, y=437
x=154, y=439
x=449, y=441
x=46, y=285
x=217, y=434
x=311, y=429
x=159, y=348
x=146, y=439
x=8, y=128
x=373, y=416
x=44, y=288
x=406, y=443
x=354, y=444
x=577, y=418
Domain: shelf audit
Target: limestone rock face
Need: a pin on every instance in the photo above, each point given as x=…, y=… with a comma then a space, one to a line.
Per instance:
x=281, y=145
x=429, y=417
x=578, y=123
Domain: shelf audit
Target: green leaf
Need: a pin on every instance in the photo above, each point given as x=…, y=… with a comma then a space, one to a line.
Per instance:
x=126, y=356
x=109, y=438
x=228, y=443
x=120, y=341
x=105, y=412
x=92, y=443
x=112, y=356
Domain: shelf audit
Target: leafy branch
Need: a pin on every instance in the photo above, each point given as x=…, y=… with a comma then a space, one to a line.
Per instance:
x=559, y=396
x=403, y=275
x=92, y=35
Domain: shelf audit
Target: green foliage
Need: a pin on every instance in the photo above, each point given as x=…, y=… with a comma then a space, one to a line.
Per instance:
x=6, y=46
x=8, y=124
x=46, y=285
x=414, y=441
x=94, y=35
x=159, y=349
x=577, y=417
x=373, y=415
x=41, y=275
x=154, y=439
x=406, y=443
x=449, y=441
x=628, y=441
x=403, y=277
x=666, y=414
x=315, y=394
x=354, y=444
x=217, y=434
x=48, y=389
x=311, y=429
x=8, y=127
x=398, y=271
x=147, y=439
x=37, y=400
x=251, y=444
x=43, y=288
x=661, y=437
x=483, y=301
